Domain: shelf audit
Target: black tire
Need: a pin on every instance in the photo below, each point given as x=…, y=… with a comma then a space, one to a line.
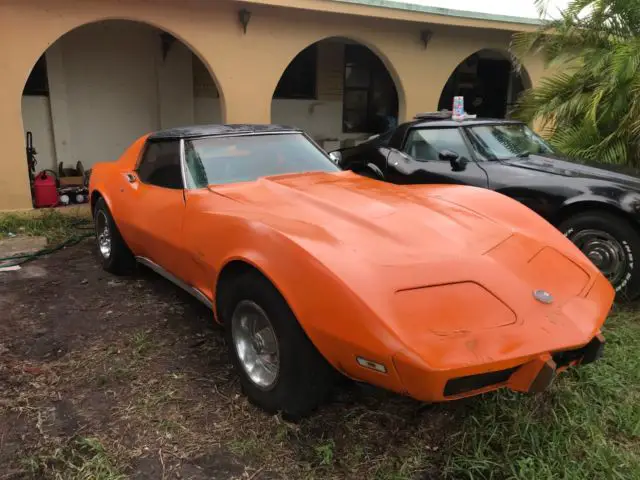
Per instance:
x=304, y=379
x=627, y=285
x=368, y=173
x=119, y=260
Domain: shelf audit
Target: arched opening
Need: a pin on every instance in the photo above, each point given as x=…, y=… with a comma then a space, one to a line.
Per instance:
x=102, y=85
x=488, y=82
x=337, y=90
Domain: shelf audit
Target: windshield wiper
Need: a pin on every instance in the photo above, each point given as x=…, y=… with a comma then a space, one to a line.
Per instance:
x=524, y=154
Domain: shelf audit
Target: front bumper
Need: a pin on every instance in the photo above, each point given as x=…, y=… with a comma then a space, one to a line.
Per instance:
x=533, y=375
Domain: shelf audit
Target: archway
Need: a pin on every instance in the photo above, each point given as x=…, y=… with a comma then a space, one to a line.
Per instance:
x=337, y=90
x=103, y=84
x=488, y=82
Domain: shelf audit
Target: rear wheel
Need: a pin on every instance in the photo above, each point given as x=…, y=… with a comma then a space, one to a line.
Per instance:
x=280, y=369
x=370, y=173
x=113, y=251
x=612, y=244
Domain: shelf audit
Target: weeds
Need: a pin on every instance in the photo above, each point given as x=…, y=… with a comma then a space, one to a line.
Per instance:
x=325, y=452
x=53, y=225
x=587, y=426
x=82, y=459
x=154, y=386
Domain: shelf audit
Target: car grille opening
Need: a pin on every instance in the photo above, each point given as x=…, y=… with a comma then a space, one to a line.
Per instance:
x=591, y=352
x=457, y=386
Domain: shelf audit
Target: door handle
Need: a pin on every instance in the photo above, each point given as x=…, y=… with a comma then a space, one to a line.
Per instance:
x=131, y=177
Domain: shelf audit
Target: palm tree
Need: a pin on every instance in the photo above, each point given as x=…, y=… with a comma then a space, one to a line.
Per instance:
x=590, y=107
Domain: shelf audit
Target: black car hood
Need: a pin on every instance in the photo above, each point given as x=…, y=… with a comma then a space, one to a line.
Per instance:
x=558, y=166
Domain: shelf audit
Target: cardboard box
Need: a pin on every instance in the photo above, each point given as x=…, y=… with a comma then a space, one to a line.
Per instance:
x=71, y=181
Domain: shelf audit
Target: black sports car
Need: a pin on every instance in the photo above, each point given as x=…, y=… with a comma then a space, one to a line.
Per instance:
x=597, y=208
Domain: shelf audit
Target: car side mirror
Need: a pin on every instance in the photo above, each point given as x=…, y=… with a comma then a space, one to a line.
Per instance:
x=396, y=157
x=458, y=163
x=335, y=157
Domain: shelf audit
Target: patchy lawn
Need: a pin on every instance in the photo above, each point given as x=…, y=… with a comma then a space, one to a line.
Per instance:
x=108, y=378
x=49, y=223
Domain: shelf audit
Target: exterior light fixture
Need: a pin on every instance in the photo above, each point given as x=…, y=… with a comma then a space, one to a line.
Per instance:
x=244, y=16
x=378, y=367
x=425, y=36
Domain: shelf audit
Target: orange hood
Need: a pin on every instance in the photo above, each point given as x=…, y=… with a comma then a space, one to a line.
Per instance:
x=403, y=237
x=382, y=223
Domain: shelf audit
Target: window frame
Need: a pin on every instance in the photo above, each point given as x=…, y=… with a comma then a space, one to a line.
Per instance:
x=360, y=57
x=461, y=132
x=143, y=154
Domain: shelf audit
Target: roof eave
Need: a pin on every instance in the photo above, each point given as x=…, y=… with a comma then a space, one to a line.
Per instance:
x=447, y=12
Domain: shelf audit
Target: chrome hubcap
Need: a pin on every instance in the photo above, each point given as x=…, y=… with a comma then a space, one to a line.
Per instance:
x=604, y=251
x=256, y=344
x=103, y=234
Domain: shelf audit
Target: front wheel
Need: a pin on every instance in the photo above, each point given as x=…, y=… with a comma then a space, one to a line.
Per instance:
x=280, y=369
x=114, y=253
x=612, y=244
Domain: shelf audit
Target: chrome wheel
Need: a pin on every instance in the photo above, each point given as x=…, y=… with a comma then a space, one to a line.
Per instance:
x=256, y=344
x=103, y=234
x=604, y=250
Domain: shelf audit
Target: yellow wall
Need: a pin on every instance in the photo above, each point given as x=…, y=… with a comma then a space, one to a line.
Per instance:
x=247, y=67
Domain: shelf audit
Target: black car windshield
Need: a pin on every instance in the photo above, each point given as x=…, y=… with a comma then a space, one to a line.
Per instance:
x=221, y=160
x=507, y=140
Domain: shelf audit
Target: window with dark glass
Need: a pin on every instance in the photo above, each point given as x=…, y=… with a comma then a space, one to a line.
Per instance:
x=370, y=102
x=504, y=141
x=426, y=144
x=160, y=165
x=299, y=79
x=38, y=82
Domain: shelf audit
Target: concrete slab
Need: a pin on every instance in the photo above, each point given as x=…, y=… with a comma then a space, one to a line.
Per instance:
x=20, y=245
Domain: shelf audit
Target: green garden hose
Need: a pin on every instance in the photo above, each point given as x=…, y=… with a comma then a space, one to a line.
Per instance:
x=74, y=240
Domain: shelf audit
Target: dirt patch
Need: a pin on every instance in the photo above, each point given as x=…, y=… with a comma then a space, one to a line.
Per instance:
x=130, y=376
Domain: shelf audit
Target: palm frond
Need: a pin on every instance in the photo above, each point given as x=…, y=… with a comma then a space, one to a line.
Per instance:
x=590, y=109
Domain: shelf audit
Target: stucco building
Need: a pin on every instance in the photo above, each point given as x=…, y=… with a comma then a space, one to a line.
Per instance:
x=87, y=77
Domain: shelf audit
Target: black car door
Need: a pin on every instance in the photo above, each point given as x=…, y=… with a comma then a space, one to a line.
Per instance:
x=426, y=157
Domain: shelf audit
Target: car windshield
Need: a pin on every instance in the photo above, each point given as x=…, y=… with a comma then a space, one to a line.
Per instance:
x=507, y=140
x=221, y=160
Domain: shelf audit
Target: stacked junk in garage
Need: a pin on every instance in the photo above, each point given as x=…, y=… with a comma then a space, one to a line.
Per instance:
x=54, y=189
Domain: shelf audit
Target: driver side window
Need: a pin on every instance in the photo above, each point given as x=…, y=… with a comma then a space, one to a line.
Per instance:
x=426, y=144
x=160, y=165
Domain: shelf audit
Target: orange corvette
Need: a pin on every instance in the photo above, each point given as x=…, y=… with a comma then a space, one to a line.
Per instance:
x=437, y=292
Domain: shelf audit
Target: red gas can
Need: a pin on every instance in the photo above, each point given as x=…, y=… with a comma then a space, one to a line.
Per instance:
x=45, y=191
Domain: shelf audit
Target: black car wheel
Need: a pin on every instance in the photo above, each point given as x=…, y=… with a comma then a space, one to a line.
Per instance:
x=370, y=171
x=113, y=251
x=612, y=245
x=280, y=369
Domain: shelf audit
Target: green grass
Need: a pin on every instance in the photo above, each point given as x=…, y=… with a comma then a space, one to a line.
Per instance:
x=82, y=459
x=587, y=426
x=53, y=225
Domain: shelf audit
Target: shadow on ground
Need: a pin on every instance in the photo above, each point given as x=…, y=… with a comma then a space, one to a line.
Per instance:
x=130, y=376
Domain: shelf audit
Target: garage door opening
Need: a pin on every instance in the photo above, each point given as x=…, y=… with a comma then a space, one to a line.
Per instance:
x=489, y=84
x=337, y=90
x=102, y=85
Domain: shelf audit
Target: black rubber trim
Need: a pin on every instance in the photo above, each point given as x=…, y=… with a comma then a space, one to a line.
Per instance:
x=457, y=386
x=594, y=350
x=587, y=354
